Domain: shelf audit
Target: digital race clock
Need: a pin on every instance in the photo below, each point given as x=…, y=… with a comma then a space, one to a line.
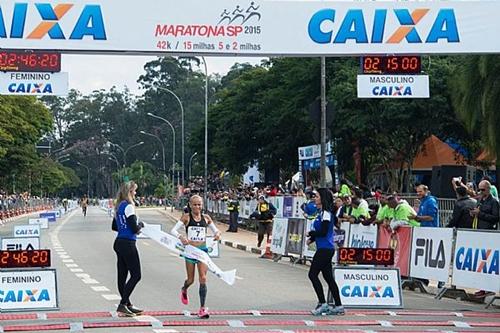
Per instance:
x=391, y=65
x=365, y=256
x=24, y=258
x=30, y=61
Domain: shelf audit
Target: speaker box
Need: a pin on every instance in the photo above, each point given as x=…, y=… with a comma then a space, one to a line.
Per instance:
x=443, y=174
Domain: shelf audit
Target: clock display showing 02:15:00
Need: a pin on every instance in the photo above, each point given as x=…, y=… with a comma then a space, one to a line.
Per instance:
x=24, y=258
x=38, y=61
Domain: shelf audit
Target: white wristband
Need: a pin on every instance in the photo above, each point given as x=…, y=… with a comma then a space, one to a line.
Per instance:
x=177, y=226
x=213, y=227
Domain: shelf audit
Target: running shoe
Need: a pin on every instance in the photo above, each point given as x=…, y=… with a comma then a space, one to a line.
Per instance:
x=135, y=310
x=203, y=313
x=124, y=310
x=337, y=310
x=322, y=309
x=184, y=296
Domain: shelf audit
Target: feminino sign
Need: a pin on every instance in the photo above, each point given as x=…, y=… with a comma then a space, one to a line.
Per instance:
x=34, y=84
x=252, y=27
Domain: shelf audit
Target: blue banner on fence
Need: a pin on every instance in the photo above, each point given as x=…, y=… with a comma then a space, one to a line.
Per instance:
x=50, y=216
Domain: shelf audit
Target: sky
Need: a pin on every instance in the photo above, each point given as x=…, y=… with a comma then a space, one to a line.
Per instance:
x=92, y=72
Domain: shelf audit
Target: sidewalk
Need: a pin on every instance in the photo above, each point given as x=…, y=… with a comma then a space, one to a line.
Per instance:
x=241, y=240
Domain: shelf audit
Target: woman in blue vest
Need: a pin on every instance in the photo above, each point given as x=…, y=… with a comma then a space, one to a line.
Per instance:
x=322, y=233
x=126, y=224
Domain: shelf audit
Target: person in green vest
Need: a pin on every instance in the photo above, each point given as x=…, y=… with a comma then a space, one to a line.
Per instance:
x=345, y=190
x=402, y=213
x=233, y=207
x=385, y=213
x=359, y=212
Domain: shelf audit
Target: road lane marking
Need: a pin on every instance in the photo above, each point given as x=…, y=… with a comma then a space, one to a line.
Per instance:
x=68, y=260
x=76, y=270
x=111, y=297
x=71, y=265
x=99, y=288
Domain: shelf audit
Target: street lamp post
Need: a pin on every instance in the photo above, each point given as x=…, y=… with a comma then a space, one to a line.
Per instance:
x=88, y=177
x=161, y=143
x=126, y=151
x=182, y=127
x=173, y=141
x=121, y=149
x=190, y=160
x=205, y=189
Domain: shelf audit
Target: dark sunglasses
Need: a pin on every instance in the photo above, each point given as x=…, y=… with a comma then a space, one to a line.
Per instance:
x=481, y=189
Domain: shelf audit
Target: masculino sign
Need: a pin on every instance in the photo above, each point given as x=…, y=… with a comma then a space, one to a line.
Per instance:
x=431, y=253
x=34, y=84
x=393, y=86
x=28, y=290
x=369, y=287
x=476, y=263
x=252, y=28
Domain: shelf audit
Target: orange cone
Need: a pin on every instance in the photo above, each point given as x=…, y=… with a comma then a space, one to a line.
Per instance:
x=268, y=254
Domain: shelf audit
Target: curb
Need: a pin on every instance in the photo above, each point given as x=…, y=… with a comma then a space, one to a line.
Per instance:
x=234, y=245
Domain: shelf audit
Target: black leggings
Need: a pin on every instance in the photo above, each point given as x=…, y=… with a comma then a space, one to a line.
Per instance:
x=127, y=261
x=322, y=262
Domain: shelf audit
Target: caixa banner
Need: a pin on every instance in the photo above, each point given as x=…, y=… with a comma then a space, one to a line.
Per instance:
x=34, y=84
x=477, y=260
x=253, y=27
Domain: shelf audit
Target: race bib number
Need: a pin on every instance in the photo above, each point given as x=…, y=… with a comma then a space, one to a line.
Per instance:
x=197, y=234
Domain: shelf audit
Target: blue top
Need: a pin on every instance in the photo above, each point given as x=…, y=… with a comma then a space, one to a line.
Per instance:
x=324, y=242
x=125, y=210
x=429, y=207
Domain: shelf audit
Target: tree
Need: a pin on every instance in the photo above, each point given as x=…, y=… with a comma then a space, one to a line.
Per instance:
x=476, y=96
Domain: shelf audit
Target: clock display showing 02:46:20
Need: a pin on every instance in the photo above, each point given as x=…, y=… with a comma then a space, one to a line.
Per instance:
x=36, y=61
x=24, y=258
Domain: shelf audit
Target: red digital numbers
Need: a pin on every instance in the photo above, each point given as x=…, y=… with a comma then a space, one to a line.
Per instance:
x=366, y=256
x=391, y=65
x=30, y=61
x=24, y=258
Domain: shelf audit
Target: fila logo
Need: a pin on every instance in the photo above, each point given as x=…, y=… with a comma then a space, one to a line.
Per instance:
x=89, y=23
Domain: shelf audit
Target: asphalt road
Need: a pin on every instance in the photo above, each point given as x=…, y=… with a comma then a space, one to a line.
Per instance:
x=86, y=277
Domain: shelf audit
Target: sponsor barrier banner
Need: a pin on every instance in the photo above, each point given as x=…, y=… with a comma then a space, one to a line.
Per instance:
x=254, y=28
x=34, y=83
x=57, y=212
x=363, y=236
x=278, y=204
x=31, y=230
x=477, y=260
x=297, y=203
x=188, y=251
x=279, y=241
x=33, y=289
x=288, y=207
x=43, y=222
x=431, y=253
x=20, y=243
x=400, y=241
x=213, y=247
x=369, y=287
x=308, y=250
x=393, y=86
x=295, y=236
x=49, y=216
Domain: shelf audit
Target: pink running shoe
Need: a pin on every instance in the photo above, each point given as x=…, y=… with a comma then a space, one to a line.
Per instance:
x=203, y=313
x=184, y=296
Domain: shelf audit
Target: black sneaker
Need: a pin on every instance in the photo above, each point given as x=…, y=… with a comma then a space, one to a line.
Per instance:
x=124, y=310
x=135, y=310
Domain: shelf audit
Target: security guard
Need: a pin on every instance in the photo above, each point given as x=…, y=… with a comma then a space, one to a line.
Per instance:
x=233, y=207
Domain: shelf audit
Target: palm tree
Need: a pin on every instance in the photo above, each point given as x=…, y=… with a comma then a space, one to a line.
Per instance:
x=476, y=99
